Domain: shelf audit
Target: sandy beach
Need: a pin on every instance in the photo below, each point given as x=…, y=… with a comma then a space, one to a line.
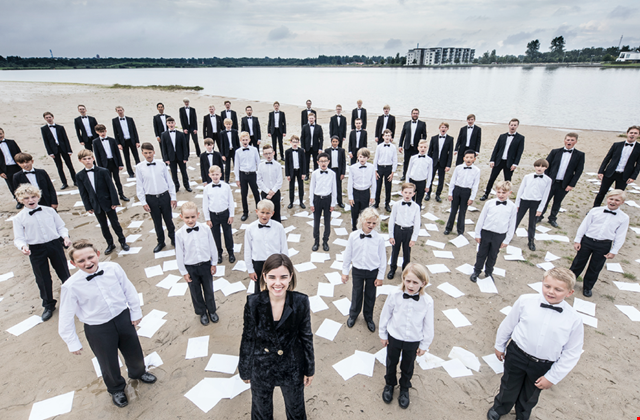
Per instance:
x=37, y=364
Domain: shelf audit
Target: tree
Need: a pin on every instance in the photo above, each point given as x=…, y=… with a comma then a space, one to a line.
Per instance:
x=493, y=57
x=557, y=44
x=533, y=49
x=382, y=61
x=397, y=60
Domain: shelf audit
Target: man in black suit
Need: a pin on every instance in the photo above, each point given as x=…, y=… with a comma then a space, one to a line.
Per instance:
x=469, y=138
x=211, y=126
x=305, y=114
x=85, y=128
x=338, y=164
x=175, y=153
x=361, y=113
x=385, y=121
x=505, y=156
x=338, y=125
x=294, y=170
x=229, y=142
x=231, y=114
x=107, y=155
x=189, y=122
x=160, y=121
x=277, y=129
x=441, y=153
x=412, y=132
x=126, y=133
x=251, y=125
x=8, y=165
x=99, y=198
x=565, y=167
x=57, y=144
x=37, y=177
x=357, y=140
x=621, y=165
x=311, y=140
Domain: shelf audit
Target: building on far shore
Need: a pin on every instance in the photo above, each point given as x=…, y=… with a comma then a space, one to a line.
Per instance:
x=436, y=56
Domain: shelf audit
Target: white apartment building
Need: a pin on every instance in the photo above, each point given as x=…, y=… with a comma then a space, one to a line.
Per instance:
x=435, y=56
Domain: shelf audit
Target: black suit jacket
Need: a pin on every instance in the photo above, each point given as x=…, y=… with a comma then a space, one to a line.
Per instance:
x=256, y=127
x=405, y=135
x=119, y=135
x=14, y=149
x=610, y=162
x=207, y=127
x=363, y=117
x=105, y=194
x=81, y=131
x=276, y=353
x=234, y=118
x=342, y=160
x=48, y=195
x=446, y=155
x=391, y=125
x=181, y=151
x=101, y=154
x=288, y=161
x=574, y=168
x=515, y=149
x=305, y=137
x=190, y=124
x=304, y=117
x=474, y=142
x=338, y=130
x=158, y=126
x=204, y=164
x=282, y=123
x=224, y=143
x=353, y=148
x=50, y=142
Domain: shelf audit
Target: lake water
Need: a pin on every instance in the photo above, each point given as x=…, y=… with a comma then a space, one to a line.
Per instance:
x=579, y=98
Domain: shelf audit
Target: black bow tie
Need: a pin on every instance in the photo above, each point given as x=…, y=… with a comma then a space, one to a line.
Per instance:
x=357, y=131
x=269, y=163
x=324, y=172
x=90, y=170
x=32, y=212
x=414, y=122
x=249, y=118
x=151, y=164
x=408, y=296
x=245, y=149
x=276, y=112
x=555, y=308
x=210, y=154
x=609, y=211
x=387, y=145
x=216, y=185
x=363, y=167
x=511, y=135
x=386, y=116
x=470, y=127
x=538, y=176
x=406, y=203
x=568, y=150
x=172, y=131
x=263, y=226
x=84, y=117
x=362, y=236
x=629, y=144
x=311, y=125
x=441, y=137
x=29, y=172
x=422, y=156
x=196, y=228
x=501, y=202
x=467, y=167
x=52, y=125
x=96, y=274
x=122, y=119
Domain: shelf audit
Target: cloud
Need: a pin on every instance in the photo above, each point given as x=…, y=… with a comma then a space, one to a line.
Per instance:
x=622, y=12
x=451, y=42
x=565, y=10
x=393, y=44
x=279, y=33
x=520, y=37
x=593, y=26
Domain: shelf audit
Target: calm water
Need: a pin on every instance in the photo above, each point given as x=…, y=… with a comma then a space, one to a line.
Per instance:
x=581, y=98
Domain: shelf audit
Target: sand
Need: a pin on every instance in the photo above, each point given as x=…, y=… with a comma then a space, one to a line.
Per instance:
x=37, y=364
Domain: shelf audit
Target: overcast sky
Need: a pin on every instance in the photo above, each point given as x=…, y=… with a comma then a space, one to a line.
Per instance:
x=305, y=28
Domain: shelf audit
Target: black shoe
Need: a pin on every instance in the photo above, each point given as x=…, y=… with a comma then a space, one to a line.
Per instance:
x=188, y=189
x=487, y=275
x=244, y=217
x=484, y=197
x=474, y=277
x=325, y=246
x=403, y=398
x=492, y=415
x=232, y=258
x=403, y=178
x=427, y=198
x=124, y=198
x=109, y=249
x=532, y=246
x=204, y=319
x=391, y=274
x=315, y=246
x=177, y=188
x=214, y=317
x=447, y=231
x=585, y=292
x=341, y=205
x=75, y=184
x=387, y=208
x=220, y=258
x=553, y=223
x=120, y=399
x=19, y=206
x=47, y=314
x=132, y=175
x=159, y=247
x=438, y=199
x=148, y=378
x=290, y=206
x=302, y=206
x=387, y=394
x=371, y=325
x=460, y=233
x=64, y=187
x=350, y=322
x=538, y=219
x=124, y=246
x=173, y=242
x=375, y=206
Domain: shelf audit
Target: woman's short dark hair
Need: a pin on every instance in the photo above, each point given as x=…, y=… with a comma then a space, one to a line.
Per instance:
x=276, y=261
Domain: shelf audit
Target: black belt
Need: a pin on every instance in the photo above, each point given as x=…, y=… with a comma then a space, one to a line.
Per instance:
x=598, y=240
x=528, y=356
x=247, y=173
x=219, y=213
x=322, y=197
x=157, y=195
x=405, y=228
x=385, y=166
x=198, y=264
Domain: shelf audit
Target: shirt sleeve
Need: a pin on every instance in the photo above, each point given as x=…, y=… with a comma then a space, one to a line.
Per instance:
x=545, y=196
x=523, y=185
x=260, y=179
x=334, y=192
x=512, y=225
x=180, y=253
x=375, y=159
x=19, y=239
x=248, y=250
x=452, y=181
x=392, y=219
x=278, y=178
x=350, y=185
x=346, y=256
x=312, y=187
x=374, y=184
x=621, y=235
x=430, y=171
x=172, y=187
x=284, y=247
x=230, y=200
x=508, y=325
x=476, y=184
x=256, y=157
x=236, y=164
x=382, y=259
x=130, y=293
x=412, y=161
x=60, y=226
x=570, y=355
x=394, y=159
x=66, y=323
x=427, y=327
x=205, y=202
x=583, y=227
x=416, y=224
x=385, y=316
x=481, y=219
x=213, y=249
x=140, y=187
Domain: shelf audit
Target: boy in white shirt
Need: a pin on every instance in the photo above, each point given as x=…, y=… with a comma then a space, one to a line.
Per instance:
x=218, y=207
x=385, y=163
x=270, y=180
x=323, y=196
x=532, y=197
x=420, y=171
x=245, y=168
x=361, y=187
x=404, y=226
x=463, y=188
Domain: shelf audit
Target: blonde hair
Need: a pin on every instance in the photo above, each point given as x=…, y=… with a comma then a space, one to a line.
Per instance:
x=189, y=205
x=80, y=244
x=407, y=185
x=617, y=192
x=84, y=153
x=572, y=134
x=214, y=168
x=562, y=274
x=266, y=205
x=227, y=121
x=419, y=271
x=504, y=186
x=366, y=214
x=26, y=190
x=244, y=134
x=423, y=141
x=446, y=124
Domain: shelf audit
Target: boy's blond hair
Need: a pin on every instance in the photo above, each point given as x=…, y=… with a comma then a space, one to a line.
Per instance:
x=386, y=107
x=208, y=141
x=364, y=152
x=366, y=214
x=84, y=153
x=504, y=186
x=26, y=190
x=214, y=168
x=621, y=193
x=562, y=274
x=78, y=245
x=266, y=205
x=572, y=134
x=244, y=134
x=446, y=124
x=227, y=121
x=189, y=205
x=419, y=271
x=423, y=141
x=408, y=185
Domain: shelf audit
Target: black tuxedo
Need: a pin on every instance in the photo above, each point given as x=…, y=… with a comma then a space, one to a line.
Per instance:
x=191, y=125
x=60, y=151
x=257, y=136
x=474, y=142
x=113, y=165
x=405, y=141
x=609, y=166
x=312, y=146
x=204, y=165
x=207, y=129
x=340, y=170
x=353, y=147
x=81, y=131
x=559, y=186
x=304, y=117
x=336, y=129
x=442, y=162
x=513, y=158
x=176, y=156
x=295, y=174
x=277, y=132
x=233, y=118
x=391, y=125
x=48, y=194
x=158, y=126
x=363, y=117
x=227, y=152
x=128, y=145
x=10, y=170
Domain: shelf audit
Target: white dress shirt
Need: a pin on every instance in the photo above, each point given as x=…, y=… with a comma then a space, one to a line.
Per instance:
x=312, y=128
x=38, y=228
x=323, y=183
x=386, y=154
x=534, y=188
x=246, y=161
x=384, y=122
x=361, y=177
x=172, y=134
x=365, y=253
x=250, y=124
x=261, y=243
x=564, y=162
x=92, y=176
x=407, y=320
x=125, y=128
x=420, y=168
x=163, y=118
x=269, y=177
x=230, y=139
x=96, y=301
x=441, y=140
x=544, y=333
x=8, y=159
x=414, y=126
x=53, y=130
x=32, y=178
x=334, y=158
x=338, y=119
x=195, y=247
x=510, y=138
x=217, y=199
x=276, y=119
x=405, y=216
x=228, y=113
x=358, y=134
x=624, y=157
x=497, y=218
x=465, y=178
x=153, y=180
x=469, y=133
x=296, y=159
x=214, y=123
x=87, y=127
x=106, y=146
x=188, y=113
x=604, y=226
x=359, y=112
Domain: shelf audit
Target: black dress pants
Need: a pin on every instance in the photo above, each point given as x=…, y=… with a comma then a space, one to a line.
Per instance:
x=58, y=158
x=227, y=165
x=312, y=154
x=160, y=206
x=495, y=171
x=129, y=147
x=248, y=180
x=607, y=182
x=41, y=255
x=363, y=281
x=532, y=208
x=257, y=267
x=383, y=172
x=459, y=205
x=402, y=238
x=420, y=186
x=262, y=401
x=321, y=205
x=593, y=252
x=194, y=137
x=174, y=165
x=9, y=172
x=221, y=220
x=488, y=251
x=276, y=140
x=296, y=176
x=557, y=193
x=115, y=174
x=276, y=204
x=361, y=200
x=336, y=171
x=201, y=285
x=437, y=167
x=408, y=350
x=115, y=224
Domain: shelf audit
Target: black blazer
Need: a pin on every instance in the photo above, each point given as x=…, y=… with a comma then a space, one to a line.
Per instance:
x=353, y=148
x=204, y=164
x=474, y=142
x=105, y=194
x=256, y=127
x=446, y=156
x=305, y=137
x=610, y=162
x=363, y=117
x=288, y=161
x=282, y=123
x=119, y=135
x=305, y=118
x=81, y=131
x=515, y=149
x=574, y=168
x=50, y=142
x=181, y=151
x=190, y=124
x=14, y=149
x=101, y=154
x=342, y=160
x=391, y=125
x=158, y=127
x=405, y=135
x=338, y=130
x=48, y=195
x=276, y=353
x=234, y=118
x=207, y=127
x=224, y=143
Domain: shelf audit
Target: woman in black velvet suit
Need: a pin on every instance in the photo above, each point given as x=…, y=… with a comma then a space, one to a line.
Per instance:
x=277, y=342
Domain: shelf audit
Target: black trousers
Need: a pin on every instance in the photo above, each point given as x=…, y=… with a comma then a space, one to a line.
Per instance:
x=296, y=176
x=201, y=284
x=336, y=171
x=321, y=204
x=129, y=147
x=257, y=267
x=354, y=159
x=248, y=179
x=363, y=281
x=361, y=200
x=221, y=220
x=89, y=144
x=276, y=141
x=531, y=207
x=383, y=173
x=227, y=165
x=262, y=401
x=459, y=205
x=607, y=182
x=174, y=165
x=312, y=154
x=408, y=153
x=115, y=225
x=437, y=167
x=112, y=166
x=254, y=142
x=408, y=349
x=160, y=207
x=488, y=251
x=402, y=238
x=215, y=137
x=194, y=137
x=106, y=339
x=557, y=193
x=517, y=385
x=9, y=172
x=276, y=204
x=41, y=255
x=495, y=171
x=420, y=186
x=591, y=251
x=58, y=158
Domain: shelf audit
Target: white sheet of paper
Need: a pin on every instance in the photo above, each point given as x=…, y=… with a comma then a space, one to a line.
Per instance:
x=456, y=317
x=499, y=271
x=521, y=233
x=423, y=233
x=317, y=304
x=494, y=363
x=435, y=244
x=444, y=254
x=431, y=226
x=628, y=287
x=135, y=225
x=96, y=366
x=545, y=266
x=615, y=267
x=536, y=286
x=468, y=222
x=513, y=250
x=381, y=356
x=630, y=311
x=153, y=360
x=132, y=238
x=456, y=369
x=237, y=248
x=7, y=276
x=233, y=288
x=240, y=266
x=170, y=265
x=429, y=361
x=584, y=306
x=367, y=361
x=151, y=327
x=438, y=268
x=319, y=257
x=472, y=234
x=465, y=269
x=325, y=289
x=302, y=214
x=306, y=266
x=169, y=281
x=512, y=257
x=542, y=229
x=78, y=204
x=340, y=241
x=289, y=229
x=336, y=222
x=336, y=265
x=25, y=325
x=348, y=367
x=132, y=250
x=589, y=320
x=293, y=252
x=340, y=231
x=165, y=254
x=430, y=216
x=197, y=347
x=487, y=285
x=328, y=329
x=550, y=257
x=220, y=284
x=156, y=270
x=451, y=290
x=467, y=358
x=178, y=289
x=52, y=407
x=205, y=395
x=334, y=277
x=244, y=226
x=386, y=289
x=223, y=363
x=460, y=241
x=139, y=298
x=343, y=305
x=294, y=237
x=506, y=310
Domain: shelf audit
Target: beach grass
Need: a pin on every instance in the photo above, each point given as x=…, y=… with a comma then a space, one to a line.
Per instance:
x=157, y=87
